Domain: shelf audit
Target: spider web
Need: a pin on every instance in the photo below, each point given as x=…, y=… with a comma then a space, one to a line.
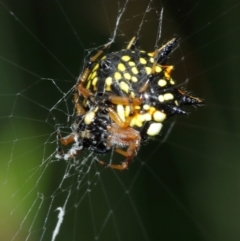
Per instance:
x=182, y=186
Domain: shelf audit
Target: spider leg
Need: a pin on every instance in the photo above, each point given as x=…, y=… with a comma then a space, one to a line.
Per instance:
x=79, y=109
x=67, y=139
x=123, y=137
x=121, y=167
x=132, y=43
x=116, y=118
x=119, y=100
x=189, y=100
x=64, y=141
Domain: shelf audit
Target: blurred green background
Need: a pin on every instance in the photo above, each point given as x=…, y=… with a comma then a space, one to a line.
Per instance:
x=184, y=186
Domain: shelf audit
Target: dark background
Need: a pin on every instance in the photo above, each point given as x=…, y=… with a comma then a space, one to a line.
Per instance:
x=183, y=186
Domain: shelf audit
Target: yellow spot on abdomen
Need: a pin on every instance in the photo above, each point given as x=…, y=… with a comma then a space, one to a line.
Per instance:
x=147, y=117
x=148, y=70
x=93, y=74
x=89, y=117
x=95, y=67
x=124, y=86
x=134, y=79
x=126, y=58
x=168, y=96
x=131, y=63
x=161, y=98
x=159, y=116
x=154, y=129
x=94, y=81
x=117, y=76
x=158, y=69
x=146, y=107
x=172, y=82
x=121, y=67
x=132, y=95
x=127, y=76
x=142, y=61
x=162, y=82
x=134, y=70
x=151, y=60
x=108, y=81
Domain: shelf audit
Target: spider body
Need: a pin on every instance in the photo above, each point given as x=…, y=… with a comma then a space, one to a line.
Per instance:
x=122, y=99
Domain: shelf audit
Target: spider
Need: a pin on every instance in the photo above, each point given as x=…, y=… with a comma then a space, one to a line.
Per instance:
x=121, y=99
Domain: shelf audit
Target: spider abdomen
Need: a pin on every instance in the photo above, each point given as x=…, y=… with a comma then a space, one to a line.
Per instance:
x=122, y=99
x=123, y=74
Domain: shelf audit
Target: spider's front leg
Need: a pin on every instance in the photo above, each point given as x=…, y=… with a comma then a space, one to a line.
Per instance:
x=123, y=137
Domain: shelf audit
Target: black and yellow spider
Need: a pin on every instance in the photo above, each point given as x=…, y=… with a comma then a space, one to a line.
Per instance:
x=121, y=99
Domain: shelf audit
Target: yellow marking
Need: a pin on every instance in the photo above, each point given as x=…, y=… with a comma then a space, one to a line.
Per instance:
x=104, y=57
x=134, y=79
x=176, y=102
x=168, y=71
x=137, y=107
x=162, y=82
x=151, y=54
x=134, y=70
x=124, y=86
x=132, y=123
x=158, y=69
x=89, y=76
x=147, y=117
x=93, y=74
x=154, y=129
x=88, y=84
x=172, y=82
x=148, y=70
x=161, y=98
x=146, y=107
x=137, y=122
x=120, y=111
x=108, y=81
x=127, y=76
x=159, y=116
x=127, y=110
x=117, y=76
x=108, y=88
x=126, y=58
x=94, y=81
x=168, y=96
x=140, y=118
x=142, y=61
x=131, y=63
x=142, y=51
x=89, y=117
x=151, y=60
x=132, y=95
x=95, y=67
x=121, y=67
x=151, y=110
